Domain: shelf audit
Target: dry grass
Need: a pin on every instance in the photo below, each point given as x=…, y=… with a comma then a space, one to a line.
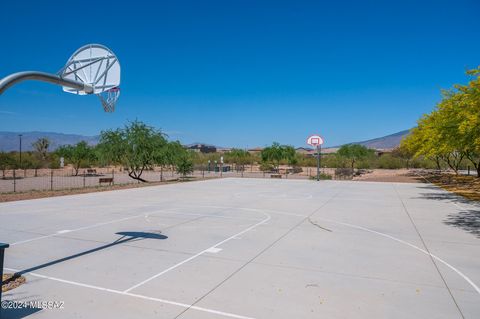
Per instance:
x=11, y=282
x=466, y=186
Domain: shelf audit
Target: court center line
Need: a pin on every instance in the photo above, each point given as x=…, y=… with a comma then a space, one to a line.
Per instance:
x=118, y=292
x=200, y=253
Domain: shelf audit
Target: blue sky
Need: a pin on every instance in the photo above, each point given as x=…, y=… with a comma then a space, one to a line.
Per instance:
x=243, y=73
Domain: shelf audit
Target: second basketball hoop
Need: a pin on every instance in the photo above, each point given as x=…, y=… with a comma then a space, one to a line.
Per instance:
x=314, y=140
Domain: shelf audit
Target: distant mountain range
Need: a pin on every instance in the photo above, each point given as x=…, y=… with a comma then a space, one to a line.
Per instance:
x=9, y=141
x=385, y=142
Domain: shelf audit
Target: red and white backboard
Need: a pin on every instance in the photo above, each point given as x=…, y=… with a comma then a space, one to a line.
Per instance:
x=315, y=140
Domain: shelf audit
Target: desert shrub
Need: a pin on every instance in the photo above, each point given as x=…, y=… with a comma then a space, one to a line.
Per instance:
x=266, y=167
x=322, y=176
x=387, y=161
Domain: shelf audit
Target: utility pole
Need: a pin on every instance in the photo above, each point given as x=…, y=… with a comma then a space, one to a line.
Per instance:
x=20, y=137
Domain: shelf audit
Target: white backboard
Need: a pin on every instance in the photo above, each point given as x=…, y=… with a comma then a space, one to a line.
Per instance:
x=315, y=140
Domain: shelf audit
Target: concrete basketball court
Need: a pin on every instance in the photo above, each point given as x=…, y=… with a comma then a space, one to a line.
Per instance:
x=247, y=248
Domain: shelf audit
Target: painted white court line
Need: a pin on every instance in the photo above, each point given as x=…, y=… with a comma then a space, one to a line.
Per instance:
x=247, y=209
x=468, y=280
x=64, y=231
x=120, y=220
x=169, y=302
x=275, y=195
x=200, y=253
x=214, y=250
x=75, y=230
x=175, y=212
x=465, y=277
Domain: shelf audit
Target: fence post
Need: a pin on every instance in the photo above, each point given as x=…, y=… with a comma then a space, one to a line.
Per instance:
x=3, y=246
x=14, y=182
x=83, y=178
x=113, y=176
x=24, y=173
x=263, y=174
x=468, y=167
x=203, y=172
x=51, y=180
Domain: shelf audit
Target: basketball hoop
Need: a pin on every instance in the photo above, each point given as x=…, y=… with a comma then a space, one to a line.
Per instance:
x=315, y=140
x=109, y=98
x=92, y=69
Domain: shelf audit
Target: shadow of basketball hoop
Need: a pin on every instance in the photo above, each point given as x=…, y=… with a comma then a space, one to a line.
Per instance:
x=126, y=237
x=18, y=313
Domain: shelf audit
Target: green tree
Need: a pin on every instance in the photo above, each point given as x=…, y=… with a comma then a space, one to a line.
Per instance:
x=184, y=163
x=7, y=161
x=238, y=156
x=354, y=153
x=451, y=132
x=137, y=147
x=173, y=151
x=467, y=107
x=275, y=153
x=79, y=155
x=168, y=155
x=290, y=155
x=404, y=153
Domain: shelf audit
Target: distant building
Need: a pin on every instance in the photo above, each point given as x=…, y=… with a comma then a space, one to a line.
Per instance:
x=255, y=150
x=305, y=150
x=202, y=148
x=223, y=149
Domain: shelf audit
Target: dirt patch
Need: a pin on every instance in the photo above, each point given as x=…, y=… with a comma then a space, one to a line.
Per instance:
x=8, y=197
x=390, y=175
x=10, y=281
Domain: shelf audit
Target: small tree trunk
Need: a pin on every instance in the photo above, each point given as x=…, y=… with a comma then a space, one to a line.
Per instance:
x=136, y=176
x=437, y=162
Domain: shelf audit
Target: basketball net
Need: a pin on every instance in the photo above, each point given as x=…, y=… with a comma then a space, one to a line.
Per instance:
x=109, y=99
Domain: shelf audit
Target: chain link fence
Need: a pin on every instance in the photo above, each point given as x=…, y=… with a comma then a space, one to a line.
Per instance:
x=24, y=180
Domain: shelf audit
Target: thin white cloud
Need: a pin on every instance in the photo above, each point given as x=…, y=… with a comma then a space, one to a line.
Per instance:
x=8, y=113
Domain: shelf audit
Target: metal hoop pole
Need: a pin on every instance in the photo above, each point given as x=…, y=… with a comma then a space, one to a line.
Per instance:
x=15, y=78
x=3, y=246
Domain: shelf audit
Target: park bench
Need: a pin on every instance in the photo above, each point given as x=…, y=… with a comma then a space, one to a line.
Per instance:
x=276, y=176
x=108, y=180
x=91, y=172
